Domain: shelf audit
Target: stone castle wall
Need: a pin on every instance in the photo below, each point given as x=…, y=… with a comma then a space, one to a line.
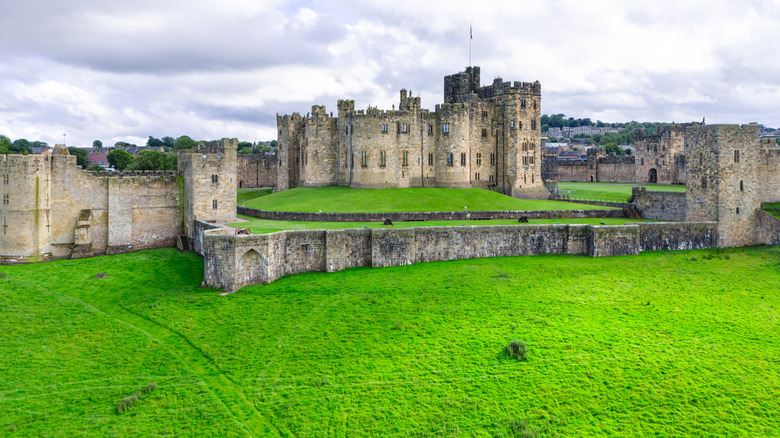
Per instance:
x=769, y=171
x=655, y=154
x=235, y=261
x=767, y=229
x=666, y=206
x=256, y=170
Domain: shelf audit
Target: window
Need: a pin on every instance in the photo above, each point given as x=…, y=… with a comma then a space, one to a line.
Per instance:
x=214, y=204
x=741, y=186
x=450, y=159
x=522, y=104
x=382, y=158
x=430, y=129
x=737, y=210
x=214, y=178
x=736, y=156
x=520, y=125
x=528, y=161
x=384, y=128
x=484, y=132
x=5, y=200
x=364, y=159
x=511, y=124
x=642, y=161
x=479, y=158
x=534, y=104
x=445, y=129
x=492, y=159
x=404, y=158
x=404, y=128
x=352, y=161
x=533, y=124
x=430, y=159
x=5, y=179
x=462, y=158
x=704, y=183
x=484, y=114
x=476, y=177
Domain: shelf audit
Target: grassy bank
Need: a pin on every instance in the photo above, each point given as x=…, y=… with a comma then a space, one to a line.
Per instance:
x=346, y=200
x=245, y=195
x=614, y=192
x=665, y=343
x=772, y=208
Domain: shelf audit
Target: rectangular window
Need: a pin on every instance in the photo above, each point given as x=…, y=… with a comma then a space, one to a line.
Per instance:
x=479, y=158
x=404, y=128
x=214, y=204
x=522, y=104
x=484, y=114
x=462, y=158
x=364, y=159
x=492, y=159
x=5, y=200
x=214, y=178
x=511, y=124
x=533, y=124
x=384, y=128
x=430, y=159
x=450, y=160
x=5, y=179
x=484, y=132
x=430, y=129
x=404, y=158
x=382, y=158
x=445, y=129
x=736, y=156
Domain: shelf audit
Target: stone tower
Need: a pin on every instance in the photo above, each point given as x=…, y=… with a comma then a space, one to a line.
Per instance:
x=208, y=183
x=723, y=183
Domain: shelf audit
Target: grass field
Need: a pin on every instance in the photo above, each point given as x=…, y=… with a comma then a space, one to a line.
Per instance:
x=245, y=195
x=615, y=192
x=260, y=226
x=346, y=200
x=772, y=208
x=664, y=344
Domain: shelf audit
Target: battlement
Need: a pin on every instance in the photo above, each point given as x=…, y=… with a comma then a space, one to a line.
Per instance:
x=318, y=111
x=501, y=88
x=445, y=109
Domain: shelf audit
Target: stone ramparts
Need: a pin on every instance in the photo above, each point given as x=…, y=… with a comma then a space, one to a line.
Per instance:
x=234, y=261
x=428, y=215
x=767, y=228
x=666, y=206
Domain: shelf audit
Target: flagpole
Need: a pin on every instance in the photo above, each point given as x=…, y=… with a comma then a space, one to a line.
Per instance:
x=471, y=37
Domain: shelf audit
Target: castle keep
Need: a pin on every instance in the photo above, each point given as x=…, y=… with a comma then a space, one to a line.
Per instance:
x=486, y=137
x=53, y=209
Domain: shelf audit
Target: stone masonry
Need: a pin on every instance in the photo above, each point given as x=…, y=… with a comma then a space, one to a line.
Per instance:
x=484, y=137
x=256, y=170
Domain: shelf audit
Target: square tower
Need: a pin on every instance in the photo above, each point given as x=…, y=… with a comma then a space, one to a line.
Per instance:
x=208, y=183
x=723, y=183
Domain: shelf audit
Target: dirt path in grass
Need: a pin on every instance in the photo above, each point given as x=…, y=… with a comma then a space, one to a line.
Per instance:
x=227, y=392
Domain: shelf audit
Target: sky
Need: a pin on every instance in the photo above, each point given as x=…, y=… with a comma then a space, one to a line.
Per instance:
x=84, y=70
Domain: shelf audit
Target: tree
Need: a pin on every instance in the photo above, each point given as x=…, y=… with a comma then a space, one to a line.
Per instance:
x=168, y=142
x=82, y=158
x=97, y=144
x=154, y=160
x=123, y=144
x=184, y=142
x=5, y=145
x=119, y=159
x=21, y=146
x=154, y=142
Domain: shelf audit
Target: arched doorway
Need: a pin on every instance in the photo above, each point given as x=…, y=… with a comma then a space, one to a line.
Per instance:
x=240, y=184
x=653, y=176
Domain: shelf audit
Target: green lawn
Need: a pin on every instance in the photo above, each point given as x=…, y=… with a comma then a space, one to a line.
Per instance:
x=245, y=195
x=772, y=208
x=346, y=200
x=664, y=344
x=615, y=192
x=261, y=226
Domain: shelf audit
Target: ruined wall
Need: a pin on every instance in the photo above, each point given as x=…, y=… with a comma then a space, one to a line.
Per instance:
x=655, y=154
x=256, y=170
x=666, y=206
x=767, y=229
x=616, y=168
x=769, y=171
x=573, y=171
x=234, y=261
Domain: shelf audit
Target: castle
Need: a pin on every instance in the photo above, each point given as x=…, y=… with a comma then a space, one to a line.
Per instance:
x=54, y=209
x=486, y=137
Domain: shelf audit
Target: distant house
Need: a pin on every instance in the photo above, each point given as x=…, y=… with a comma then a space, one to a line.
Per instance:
x=42, y=151
x=99, y=159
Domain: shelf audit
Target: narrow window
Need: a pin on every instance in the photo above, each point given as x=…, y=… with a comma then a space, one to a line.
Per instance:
x=430, y=159
x=364, y=159
x=492, y=159
x=476, y=177
x=737, y=210
x=352, y=161
x=445, y=129
x=741, y=186
x=701, y=158
x=522, y=104
x=520, y=125
x=534, y=104
x=384, y=128
x=484, y=132
x=704, y=183
x=511, y=124
x=462, y=158
x=479, y=158
x=449, y=159
x=736, y=156
x=404, y=158
x=404, y=128
x=533, y=124
x=642, y=161
x=484, y=114
x=214, y=178
x=5, y=179
x=382, y=158
x=214, y=204
x=430, y=129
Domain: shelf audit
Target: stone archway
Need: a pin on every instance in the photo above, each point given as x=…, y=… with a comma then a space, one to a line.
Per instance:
x=240, y=184
x=653, y=176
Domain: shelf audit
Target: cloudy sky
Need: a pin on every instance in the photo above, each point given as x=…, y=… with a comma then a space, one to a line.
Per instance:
x=125, y=70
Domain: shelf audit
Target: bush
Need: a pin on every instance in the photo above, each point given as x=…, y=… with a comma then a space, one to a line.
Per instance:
x=517, y=349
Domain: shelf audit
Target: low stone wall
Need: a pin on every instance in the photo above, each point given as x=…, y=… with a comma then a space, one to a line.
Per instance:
x=234, y=261
x=767, y=228
x=666, y=206
x=200, y=228
x=428, y=216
